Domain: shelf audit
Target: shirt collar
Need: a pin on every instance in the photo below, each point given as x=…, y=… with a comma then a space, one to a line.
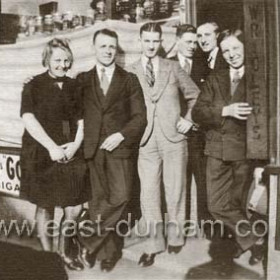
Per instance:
x=240, y=71
x=109, y=70
x=155, y=61
x=213, y=54
x=182, y=60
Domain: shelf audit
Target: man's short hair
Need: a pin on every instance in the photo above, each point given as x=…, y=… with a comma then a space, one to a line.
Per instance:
x=107, y=32
x=62, y=44
x=214, y=24
x=231, y=32
x=185, y=28
x=151, y=27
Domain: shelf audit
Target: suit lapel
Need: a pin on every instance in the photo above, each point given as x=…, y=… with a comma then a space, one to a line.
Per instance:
x=239, y=92
x=161, y=79
x=224, y=84
x=92, y=86
x=116, y=85
x=139, y=71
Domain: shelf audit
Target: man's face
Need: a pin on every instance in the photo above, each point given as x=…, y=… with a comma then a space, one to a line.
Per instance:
x=207, y=37
x=105, y=49
x=187, y=44
x=233, y=52
x=150, y=42
x=58, y=63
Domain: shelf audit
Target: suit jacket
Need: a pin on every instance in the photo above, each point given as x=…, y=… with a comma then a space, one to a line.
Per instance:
x=199, y=70
x=123, y=110
x=220, y=62
x=198, y=74
x=225, y=136
x=200, y=60
x=163, y=98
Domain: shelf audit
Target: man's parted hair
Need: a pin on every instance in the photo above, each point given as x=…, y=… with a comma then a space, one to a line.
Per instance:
x=231, y=32
x=151, y=27
x=62, y=44
x=107, y=32
x=185, y=28
x=214, y=24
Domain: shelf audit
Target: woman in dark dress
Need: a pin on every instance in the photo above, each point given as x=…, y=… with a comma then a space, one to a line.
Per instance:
x=51, y=156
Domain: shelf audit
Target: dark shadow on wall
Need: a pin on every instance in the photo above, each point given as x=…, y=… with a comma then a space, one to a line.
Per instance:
x=226, y=13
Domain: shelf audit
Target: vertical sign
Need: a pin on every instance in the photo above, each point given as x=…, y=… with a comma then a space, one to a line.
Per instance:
x=256, y=80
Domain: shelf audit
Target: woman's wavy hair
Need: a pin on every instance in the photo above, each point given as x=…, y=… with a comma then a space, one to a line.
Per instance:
x=56, y=43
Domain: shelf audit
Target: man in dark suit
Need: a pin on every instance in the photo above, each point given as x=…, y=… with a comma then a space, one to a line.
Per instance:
x=114, y=122
x=207, y=36
x=222, y=111
x=196, y=67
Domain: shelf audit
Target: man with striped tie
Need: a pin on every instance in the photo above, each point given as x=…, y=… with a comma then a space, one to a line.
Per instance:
x=163, y=147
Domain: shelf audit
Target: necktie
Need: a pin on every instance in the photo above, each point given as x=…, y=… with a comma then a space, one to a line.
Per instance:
x=104, y=82
x=235, y=82
x=187, y=67
x=209, y=61
x=150, y=75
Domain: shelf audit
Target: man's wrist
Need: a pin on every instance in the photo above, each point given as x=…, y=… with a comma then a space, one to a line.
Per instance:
x=121, y=136
x=225, y=111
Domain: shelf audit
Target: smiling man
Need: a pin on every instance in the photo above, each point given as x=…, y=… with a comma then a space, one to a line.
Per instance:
x=114, y=122
x=222, y=110
x=207, y=36
x=163, y=147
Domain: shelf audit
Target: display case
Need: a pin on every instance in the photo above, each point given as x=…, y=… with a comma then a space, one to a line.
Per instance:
x=53, y=17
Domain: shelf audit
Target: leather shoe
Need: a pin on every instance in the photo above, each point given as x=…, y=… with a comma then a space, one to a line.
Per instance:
x=174, y=249
x=87, y=258
x=237, y=251
x=72, y=264
x=257, y=256
x=146, y=260
x=108, y=264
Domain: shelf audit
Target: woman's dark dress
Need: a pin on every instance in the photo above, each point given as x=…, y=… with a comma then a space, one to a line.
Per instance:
x=42, y=181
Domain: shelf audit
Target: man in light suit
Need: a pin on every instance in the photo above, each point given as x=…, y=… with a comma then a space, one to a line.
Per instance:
x=222, y=110
x=163, y=147
x=114, y=122
x=197, y=69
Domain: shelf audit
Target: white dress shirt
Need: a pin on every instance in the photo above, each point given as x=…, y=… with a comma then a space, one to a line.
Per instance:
x=109, y=71
x=212, y=58
x=182, y=61
x=233, y=71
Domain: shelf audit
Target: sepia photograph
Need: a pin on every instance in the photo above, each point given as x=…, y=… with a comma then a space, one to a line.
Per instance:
x=139, y=139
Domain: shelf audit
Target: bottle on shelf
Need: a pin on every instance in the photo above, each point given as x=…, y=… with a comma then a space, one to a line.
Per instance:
x=30, y=26
x=57, y=21
x=22, y=27
x=48, y=24
x=39, y=25
x=90, y=17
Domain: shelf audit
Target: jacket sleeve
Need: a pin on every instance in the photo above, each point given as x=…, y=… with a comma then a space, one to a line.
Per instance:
x=135, y=127
x=207, y=111
x=188, y=88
